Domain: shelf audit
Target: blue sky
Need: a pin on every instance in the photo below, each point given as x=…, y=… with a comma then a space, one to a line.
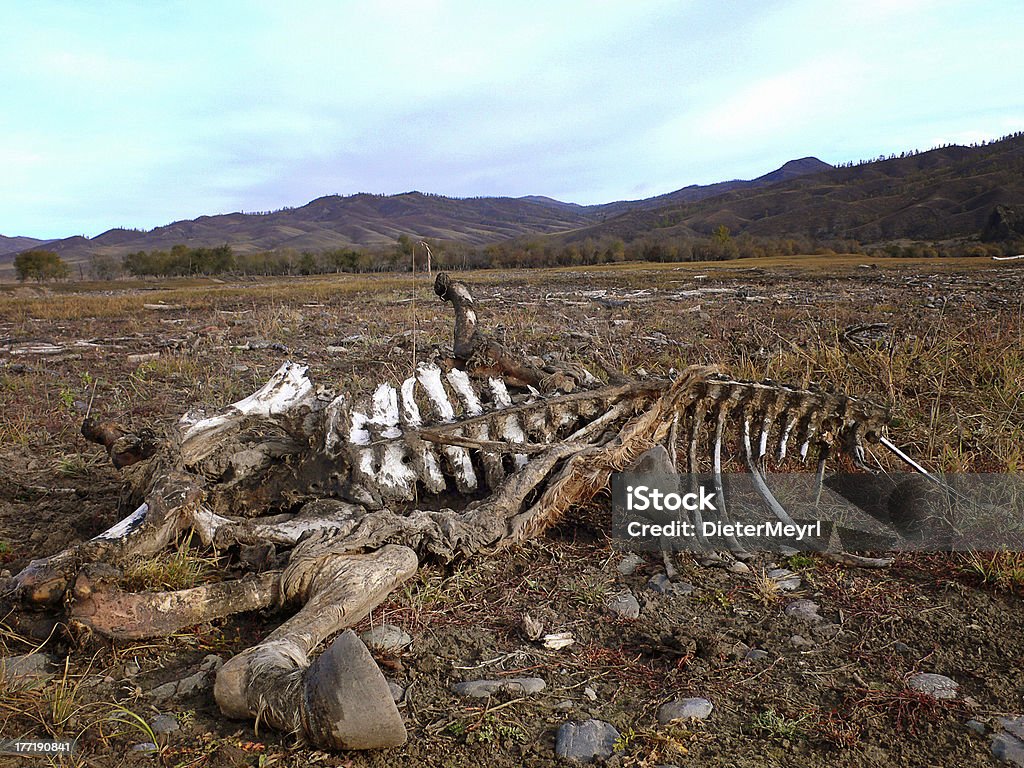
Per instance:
x=137, y=114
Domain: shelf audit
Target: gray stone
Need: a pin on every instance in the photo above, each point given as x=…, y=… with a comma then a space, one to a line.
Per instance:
x=397, y=691
x=22, y=669
x=936, y=686
x=977, y=726
x=585, y=741
x=684, y=709
x=901, y=647
x=799, y=641
x=785, y=578
x=131, y=669
x=624, y=605
x=590, y=693
x=737, y=567
x=628, y=565
x=1012, y=725
x=481, y=689
x=146, y=746
x=211, y=663
x=164, y=724
x=756, y=654
x=662, y=584
x=1008, y=748
x=804, y=610
x=195, y=683
x=387, y=638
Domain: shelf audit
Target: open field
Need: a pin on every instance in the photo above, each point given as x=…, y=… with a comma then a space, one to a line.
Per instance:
x=952, y=371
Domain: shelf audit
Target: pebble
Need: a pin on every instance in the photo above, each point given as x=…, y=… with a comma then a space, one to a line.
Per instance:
x=977, y=726
x=799, y=641
x=624, y=605
x=684, y=709
x=628, y=565
x=397, y=691
x=936, y=686
x=32, y=665
x=387, y=638
x=663, y=585
x=585, y=741
x=481, y=689
x=199, y=681
x=804, y=610
x=1008, y=742
x=590, y=693
x=164, y=724
x=785, y=578
x=756, y=654
x=146, y=746
x=737, y=567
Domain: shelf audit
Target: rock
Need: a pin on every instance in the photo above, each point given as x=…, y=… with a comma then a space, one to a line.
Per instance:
x=211, y=663
x=804, y=610
x=737, y=567
x=628, y=565
x=23, y=669
x=901, y=647
x=146, y=746
x=162, y=724
x=131, y=669
x=785, y=578
x=1008, y=749
x=624, y=605
x=585, y=741
x=1012, y=725
x=936, y=686
x=480, y=689
x=387, y=638
x=799, y=641
x=663, y=585
x=977, y=726
x=756, y=654
x=565, y=705
x=590, y=693
x=684, y=709
x=196, y=683
x=397, y=691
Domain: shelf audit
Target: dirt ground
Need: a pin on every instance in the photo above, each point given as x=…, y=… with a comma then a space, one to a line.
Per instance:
x=950, y=363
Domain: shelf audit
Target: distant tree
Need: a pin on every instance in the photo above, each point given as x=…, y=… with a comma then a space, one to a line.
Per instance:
x=40, y=265
x=105, y=267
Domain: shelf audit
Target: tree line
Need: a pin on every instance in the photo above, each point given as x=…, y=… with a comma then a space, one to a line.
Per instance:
x=720, y=245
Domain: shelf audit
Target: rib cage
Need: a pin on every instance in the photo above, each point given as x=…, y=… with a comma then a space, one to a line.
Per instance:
x=472, y=433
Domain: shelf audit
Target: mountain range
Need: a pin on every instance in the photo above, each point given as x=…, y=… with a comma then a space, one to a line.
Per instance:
x=947, y=192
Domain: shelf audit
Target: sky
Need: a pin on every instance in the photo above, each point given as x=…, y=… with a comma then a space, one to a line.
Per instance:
x=128, y=114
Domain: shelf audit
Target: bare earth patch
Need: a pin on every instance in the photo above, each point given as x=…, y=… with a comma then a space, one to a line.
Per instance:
x=945, y=347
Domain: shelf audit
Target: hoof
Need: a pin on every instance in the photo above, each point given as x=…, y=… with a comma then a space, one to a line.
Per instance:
x=347, y=701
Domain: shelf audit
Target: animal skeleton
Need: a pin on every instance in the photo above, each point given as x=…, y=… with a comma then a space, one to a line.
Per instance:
x=524, y=441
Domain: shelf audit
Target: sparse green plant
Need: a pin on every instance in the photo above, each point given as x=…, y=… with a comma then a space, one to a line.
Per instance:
x=777, y=726
x=181, y=568
x=766, y=589
x=800, y=560
x=1002, y=570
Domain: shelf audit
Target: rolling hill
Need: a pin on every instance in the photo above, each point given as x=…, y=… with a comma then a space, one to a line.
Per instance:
x=367, y=221
x=943, y=193
x=948, y=192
